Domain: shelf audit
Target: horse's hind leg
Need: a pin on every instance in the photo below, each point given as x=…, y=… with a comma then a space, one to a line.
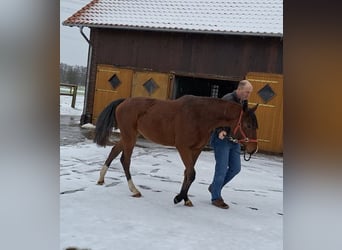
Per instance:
x=126, y=162
x=116, y=150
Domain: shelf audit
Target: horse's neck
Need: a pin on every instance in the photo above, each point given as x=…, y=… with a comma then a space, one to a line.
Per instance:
x=223, y=114
x=210, y=112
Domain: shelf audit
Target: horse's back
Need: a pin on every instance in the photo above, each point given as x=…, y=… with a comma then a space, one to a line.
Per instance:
x=157, y=109
x=168, y=122
x=152, y=118
x=141, y=103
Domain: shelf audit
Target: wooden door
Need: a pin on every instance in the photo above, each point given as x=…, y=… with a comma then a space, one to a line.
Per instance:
x=268, y=92
x=151, y=84
x=111, y=83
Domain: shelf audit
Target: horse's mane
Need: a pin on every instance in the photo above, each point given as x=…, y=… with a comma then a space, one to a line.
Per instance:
x=253, y=117
x=250, y=112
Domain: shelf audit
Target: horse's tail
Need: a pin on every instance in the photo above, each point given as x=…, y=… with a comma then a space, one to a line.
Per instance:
x=105, y=123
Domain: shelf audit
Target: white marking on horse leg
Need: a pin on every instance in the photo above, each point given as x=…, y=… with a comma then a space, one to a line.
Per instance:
x=102, y=175
x=133, y=189
x=188, y=203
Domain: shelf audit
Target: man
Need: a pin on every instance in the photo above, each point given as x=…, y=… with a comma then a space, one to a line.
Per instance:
x=227, y=152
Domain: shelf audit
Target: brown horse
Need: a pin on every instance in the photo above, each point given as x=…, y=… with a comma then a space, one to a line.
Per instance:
x=185, y=123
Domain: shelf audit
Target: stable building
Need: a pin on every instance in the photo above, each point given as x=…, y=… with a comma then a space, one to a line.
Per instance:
x=169, y=48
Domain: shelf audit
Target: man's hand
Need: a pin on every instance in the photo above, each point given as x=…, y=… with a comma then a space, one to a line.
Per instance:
x=222, y=134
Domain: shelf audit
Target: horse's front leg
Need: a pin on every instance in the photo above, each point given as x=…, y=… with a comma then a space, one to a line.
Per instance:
x=189, y=177
x=189, y=158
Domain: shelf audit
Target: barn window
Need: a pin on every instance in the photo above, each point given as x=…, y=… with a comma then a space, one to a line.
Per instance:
x=214, y=91
x=150, y=86
x=266, y=93
x=114, y=81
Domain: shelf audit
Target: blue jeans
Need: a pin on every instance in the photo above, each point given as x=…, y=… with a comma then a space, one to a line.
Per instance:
x=228, y=163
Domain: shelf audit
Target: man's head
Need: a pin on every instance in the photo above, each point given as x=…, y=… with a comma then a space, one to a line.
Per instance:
x=244, y=90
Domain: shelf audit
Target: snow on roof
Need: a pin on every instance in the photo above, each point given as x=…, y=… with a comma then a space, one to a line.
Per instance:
x=244, y=17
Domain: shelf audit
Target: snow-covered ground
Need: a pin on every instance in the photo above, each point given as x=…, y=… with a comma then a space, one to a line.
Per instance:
x=65, y=105
x=107, y=217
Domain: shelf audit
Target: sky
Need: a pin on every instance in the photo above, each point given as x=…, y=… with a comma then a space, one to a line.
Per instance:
x=73, y=46
x=107, y=217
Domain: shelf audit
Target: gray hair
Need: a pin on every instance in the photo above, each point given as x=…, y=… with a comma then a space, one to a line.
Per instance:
x=243, y=83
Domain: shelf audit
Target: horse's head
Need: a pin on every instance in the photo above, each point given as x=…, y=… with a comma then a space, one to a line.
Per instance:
x=245, y=130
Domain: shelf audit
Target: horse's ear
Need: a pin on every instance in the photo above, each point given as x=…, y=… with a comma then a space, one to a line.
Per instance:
x=255, y=107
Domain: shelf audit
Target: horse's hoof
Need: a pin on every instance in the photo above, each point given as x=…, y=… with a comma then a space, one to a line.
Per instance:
x=175, y=200
x=100, y=182
x=137, y=195
x=188, y=203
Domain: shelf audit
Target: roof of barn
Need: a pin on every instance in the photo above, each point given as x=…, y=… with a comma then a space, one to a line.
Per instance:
x=241, y=17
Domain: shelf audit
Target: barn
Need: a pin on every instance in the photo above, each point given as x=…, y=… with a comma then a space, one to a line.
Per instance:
x=169, y=48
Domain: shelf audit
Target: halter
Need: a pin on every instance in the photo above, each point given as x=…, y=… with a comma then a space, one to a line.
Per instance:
x=239, y=127
x=244, y=139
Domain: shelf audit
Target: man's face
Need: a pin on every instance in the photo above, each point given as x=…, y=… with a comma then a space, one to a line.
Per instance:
x=244, y=92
